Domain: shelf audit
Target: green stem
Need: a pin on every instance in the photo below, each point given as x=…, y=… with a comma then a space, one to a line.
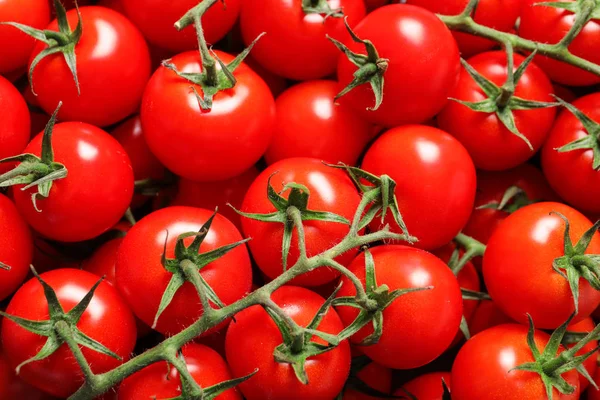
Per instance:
x=199, y=10
x=66, y=334
x=473, y=248
x=508, y=88
x=582, y=18
x=208, y=62
x=296, y=216
x=192, y=388
x=296, y=330
x=191, y=273
x=361, y=296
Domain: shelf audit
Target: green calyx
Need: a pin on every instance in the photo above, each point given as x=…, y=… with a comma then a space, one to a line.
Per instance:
x=321, y=7
x=35, y=171
x=371, y=67
x=61, y=328
x=188, y=263
x=63, y=41
x=513, y=199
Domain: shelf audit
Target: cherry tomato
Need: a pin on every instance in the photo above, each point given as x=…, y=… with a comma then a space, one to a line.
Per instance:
x=487, y=315
x=418, y=326
x=585, y=326
x=373, y=375
x=427, y=387
x=310, y=124
x=326, y=372
x=330, y=190
x=107, y=319
x=517, y=266
x=14, y=117
x=12, y=387
x=113, y=66
x=491, y=145
x=435, y=180
x=207, y=145
x=423, y=65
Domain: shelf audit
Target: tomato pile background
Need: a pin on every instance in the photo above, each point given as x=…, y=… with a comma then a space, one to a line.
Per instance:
x=303, y=199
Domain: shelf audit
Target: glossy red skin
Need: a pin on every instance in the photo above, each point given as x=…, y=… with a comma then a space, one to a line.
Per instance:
x=517, y=266
x=207, y=145
x=571, y=173
x=99, y=178
x=491, y=145
x=296, y=45
x=481, y=368
x=107, y=320
x=585, y=326
x=155, y=18
x=593, y=394
x=423, y=66
x=427, y=386
x=14, y=114
x=435, y=180
x=310, y=124
x=487, y=315
x=219, y=194
x=375, y=376
x=418, y=326
x=113, y=66
x=330, y=190
x=205, y=365
x=16, y=45
x=498, y=14
x=326, y=372
x=12, y=387
x=230, y=276
x=549, y=25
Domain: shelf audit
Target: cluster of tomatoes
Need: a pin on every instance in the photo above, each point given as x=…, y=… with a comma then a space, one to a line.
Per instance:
x=109, y=114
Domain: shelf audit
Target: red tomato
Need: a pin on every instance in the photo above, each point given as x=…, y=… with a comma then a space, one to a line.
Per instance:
x=94, y=195
x=326, y=372
x=330, y=190
x=585, y=326
x=571, y=173
x=435, y=180
x=491, y=145
x=549, y=25
x=113, y=66
x=107, y=320
x=207, y=145
x=426, y=387
x=375, y=376
x=16, y=45
x=230, y=276
x=487, y=315
x=296, y=44
x=14, y=129
x=418, y=326
x=593, y=394
x=12, y=387
x=205, y=365
x=517, y=266
x=310, y=124
x=423, y=65
x=483, y=368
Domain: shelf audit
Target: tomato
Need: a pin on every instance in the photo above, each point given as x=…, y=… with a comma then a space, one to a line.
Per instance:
x=310, y=124
x=107, y=319
x=435, y=180
x=491, y=145
x=423, y=65
x=593, y=394
x=330, y=190
x=155, y=18
x=113, y=66
x=230, y=276
x=418, y=326
x=207, y=145
x=549, y=25
x=12, y=387
x=376, y=377
x=205, y=365
x=585, y=326
x=483, y=368
x=427, y=387
x=14, y=128
x=517, y=266
x=16, y=45
x=296, y=44
x=326, y=372
x=498, y=14
x=99, y=179
x=571, y=173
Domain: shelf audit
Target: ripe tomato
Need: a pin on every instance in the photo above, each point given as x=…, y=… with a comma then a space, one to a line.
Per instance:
x=330, y=190
x=326, y=372
x=427, y=387
x=113, y=66
x=423, y=65
x=14, y=129
x=571, y=173
x=585, y=326
x=107, y=319
x=204, y=364
x=418, y=326
x=435, y=180
x=517, y=266
x=491, y=145
x=207, y=145
x=487, y=315
x=94, y=195
x=373, y=375
x=17, y=46
x=230, y=276
x=549, y=25
x=296, y=45
x=12, y=387
x=310, y=124
x=483, y=368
